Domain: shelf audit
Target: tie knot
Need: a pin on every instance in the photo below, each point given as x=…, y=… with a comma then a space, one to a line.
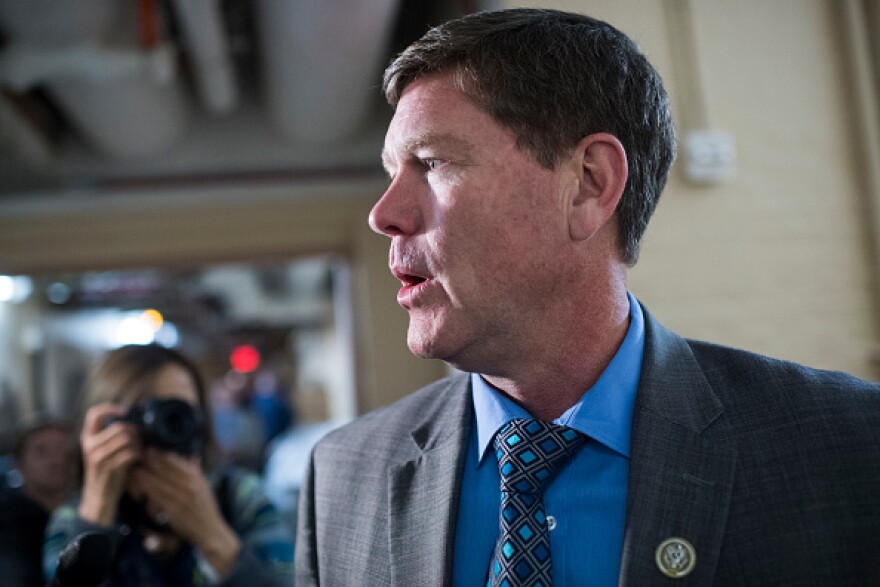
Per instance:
x=531, y=452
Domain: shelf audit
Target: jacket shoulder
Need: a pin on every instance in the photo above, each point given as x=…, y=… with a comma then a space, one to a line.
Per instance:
x=388, y=430
x=763, y=370
x=764, y=389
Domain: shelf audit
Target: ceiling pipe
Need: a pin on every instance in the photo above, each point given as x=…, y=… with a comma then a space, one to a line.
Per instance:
x=22, y=136
x=207, y=44
x=137, y=113
x=321, y=63
x=126, y=101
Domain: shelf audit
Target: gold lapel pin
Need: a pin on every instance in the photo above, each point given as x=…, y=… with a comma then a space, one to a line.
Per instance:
x=676, y=557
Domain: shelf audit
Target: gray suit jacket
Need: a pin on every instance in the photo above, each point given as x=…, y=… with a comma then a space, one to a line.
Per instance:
x=771, y=470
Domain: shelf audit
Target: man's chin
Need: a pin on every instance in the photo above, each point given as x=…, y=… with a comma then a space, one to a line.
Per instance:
x=422, y=350
x=451, y=352
x=425, y=346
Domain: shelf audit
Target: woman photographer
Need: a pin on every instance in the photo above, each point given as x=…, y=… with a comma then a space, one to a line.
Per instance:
x=147, y=484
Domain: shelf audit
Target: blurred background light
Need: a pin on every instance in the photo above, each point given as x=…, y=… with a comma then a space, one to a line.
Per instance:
x=15, y=289
x=168, y=335
x=153, y=318
x=133, y=328
x=58, y=293
x=245, y=358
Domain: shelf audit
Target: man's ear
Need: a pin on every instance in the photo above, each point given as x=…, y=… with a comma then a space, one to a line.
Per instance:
x=602, y=179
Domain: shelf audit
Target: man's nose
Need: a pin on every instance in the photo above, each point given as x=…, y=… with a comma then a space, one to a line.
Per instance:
x=397, y=211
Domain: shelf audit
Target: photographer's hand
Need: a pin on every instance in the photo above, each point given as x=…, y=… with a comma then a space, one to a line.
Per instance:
x=177, y=487
x=108, y=454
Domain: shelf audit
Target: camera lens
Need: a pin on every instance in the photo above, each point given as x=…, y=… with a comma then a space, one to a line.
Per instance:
x=172, y=424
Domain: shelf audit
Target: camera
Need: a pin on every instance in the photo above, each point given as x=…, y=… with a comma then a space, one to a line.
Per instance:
x=167, y=424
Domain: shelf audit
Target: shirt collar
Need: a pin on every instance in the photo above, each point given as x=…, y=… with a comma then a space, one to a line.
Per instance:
x=604, y=412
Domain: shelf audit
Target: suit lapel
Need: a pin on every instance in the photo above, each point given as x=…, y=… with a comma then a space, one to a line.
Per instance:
x=680, y=482
x=424, y=494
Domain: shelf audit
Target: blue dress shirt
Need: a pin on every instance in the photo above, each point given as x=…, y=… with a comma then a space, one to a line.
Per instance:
x=588, y=497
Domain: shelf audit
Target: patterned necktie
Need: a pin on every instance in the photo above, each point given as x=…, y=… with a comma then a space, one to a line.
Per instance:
x=530, y=453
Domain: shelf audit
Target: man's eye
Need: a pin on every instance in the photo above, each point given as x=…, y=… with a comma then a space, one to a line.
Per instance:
x=432, y=164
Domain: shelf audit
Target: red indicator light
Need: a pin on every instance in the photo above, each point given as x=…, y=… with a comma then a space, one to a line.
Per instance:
x=244, y=358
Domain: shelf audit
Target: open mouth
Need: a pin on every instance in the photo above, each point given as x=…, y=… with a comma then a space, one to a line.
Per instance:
x=408, y=279
x=411, y=280
x=412, y=287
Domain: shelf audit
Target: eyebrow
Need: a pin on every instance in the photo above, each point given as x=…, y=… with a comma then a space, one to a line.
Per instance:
x=430, y=139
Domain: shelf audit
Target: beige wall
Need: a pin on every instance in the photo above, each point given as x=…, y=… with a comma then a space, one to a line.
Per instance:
x=776, y=260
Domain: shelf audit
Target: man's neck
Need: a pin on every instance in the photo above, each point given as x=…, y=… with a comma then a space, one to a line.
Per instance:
x=555, y=377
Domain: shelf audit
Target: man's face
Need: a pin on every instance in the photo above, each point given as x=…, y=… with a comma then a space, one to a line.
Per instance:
x=476, y=225
x=47, y=462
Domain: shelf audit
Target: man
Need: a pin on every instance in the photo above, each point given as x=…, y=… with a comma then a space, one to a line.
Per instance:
x=527, y=151
x=45, y=463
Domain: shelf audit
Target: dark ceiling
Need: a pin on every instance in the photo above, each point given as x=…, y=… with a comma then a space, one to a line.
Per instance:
x=102, y=94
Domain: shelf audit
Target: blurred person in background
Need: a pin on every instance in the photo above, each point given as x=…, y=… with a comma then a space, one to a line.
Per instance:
x=238, y=431
x=269, y=403
x=41, y=480
x=149, y=485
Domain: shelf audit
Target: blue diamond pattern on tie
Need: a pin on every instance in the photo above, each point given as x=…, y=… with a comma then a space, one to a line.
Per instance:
x=529, y=453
